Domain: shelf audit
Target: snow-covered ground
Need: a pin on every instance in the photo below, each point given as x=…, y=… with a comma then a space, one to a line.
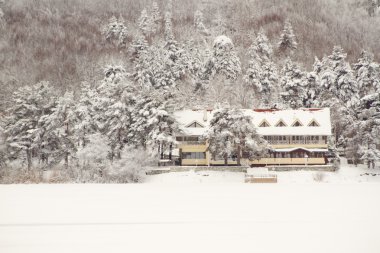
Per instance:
x=176, y=213
x=346, y=174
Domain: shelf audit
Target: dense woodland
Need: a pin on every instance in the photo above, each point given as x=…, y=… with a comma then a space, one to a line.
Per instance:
x=86, y=83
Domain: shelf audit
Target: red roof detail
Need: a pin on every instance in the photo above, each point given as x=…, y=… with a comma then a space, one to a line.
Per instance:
x=266, y=110
x=312, y=109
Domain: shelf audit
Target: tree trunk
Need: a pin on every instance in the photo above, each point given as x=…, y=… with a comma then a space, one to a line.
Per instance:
x=162, y=151
x=29, y=158
x=66, y=160
x=238, y=155
x=170, y=151
x=226, y=159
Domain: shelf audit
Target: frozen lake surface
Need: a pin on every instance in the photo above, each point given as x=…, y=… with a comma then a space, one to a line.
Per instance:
x=214, y=217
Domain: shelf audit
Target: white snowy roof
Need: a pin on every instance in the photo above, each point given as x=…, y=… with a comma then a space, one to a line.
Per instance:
x=321, y=116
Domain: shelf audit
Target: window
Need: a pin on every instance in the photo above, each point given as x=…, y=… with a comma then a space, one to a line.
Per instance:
x=313, y=123
x=194, y=155
x=281, y=123
x=264, y=123
x=191, y=138
x=195, y=124
x=297, y=123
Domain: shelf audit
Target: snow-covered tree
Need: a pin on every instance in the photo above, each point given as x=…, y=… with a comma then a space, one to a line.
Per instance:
x=168, y=28
x=219, y=24
x=371, y=155
x=287, y=39
x=146, y=23
x=138, y=45
x=153, y=125
x=117, y=100
x=59, y=137
x=337, y=79
x=87, y=111
x=3, y=153
x=162, y=66
x=199, y=23
x=312, y=90
x=367, y=74
x=361, y=134
x=156, y=15
x=224, y=60
x=372, y=7
x=232, y=133
x=22, y=128
x=345, y=86
x=116, y=32
x=261, y=46
x=262, y=74
x=293, y=83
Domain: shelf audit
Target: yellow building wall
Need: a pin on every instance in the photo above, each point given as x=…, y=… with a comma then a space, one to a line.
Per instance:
x=263, y=161
x=193, y=148
x=195, y=162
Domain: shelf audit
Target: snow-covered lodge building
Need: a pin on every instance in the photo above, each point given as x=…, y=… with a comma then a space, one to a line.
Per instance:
x=295, y=136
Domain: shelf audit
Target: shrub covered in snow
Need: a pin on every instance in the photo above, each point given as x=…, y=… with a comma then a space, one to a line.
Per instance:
x=131, y=167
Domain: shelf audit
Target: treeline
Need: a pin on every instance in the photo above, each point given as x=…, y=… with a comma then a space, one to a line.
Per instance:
x=166, y=62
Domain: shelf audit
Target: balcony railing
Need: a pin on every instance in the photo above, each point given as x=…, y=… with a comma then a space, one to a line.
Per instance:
x=274, y=142
x=191, y=143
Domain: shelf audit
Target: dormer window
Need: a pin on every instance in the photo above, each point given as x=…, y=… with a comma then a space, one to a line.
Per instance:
x=264, y=123
x=313, y=123
x=195, y=124
x=281, y=123
x=297, y=123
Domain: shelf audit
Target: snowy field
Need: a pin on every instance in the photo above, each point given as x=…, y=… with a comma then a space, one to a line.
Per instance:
x=195, y=212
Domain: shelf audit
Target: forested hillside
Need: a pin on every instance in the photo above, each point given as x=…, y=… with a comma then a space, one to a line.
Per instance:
x=62, y=42
x=83, y=77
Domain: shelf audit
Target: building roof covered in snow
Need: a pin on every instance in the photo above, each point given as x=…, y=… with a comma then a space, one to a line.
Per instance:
x=307, y=121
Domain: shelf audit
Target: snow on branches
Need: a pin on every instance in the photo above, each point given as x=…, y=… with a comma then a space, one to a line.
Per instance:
x=232, y=134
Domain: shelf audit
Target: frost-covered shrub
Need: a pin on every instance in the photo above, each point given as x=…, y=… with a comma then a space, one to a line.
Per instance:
x=95, y=151
x=131, y=167
x=11, y=175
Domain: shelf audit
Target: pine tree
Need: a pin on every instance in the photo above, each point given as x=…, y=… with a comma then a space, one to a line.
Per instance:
x=345, y=84
x=367, y=74
x=199, y=23
x=361, y=134
x=139, y=45
x=337, y=79
x=261, y=47
x=372, y=5
x=86, y=112
x=118, y=97
x=224, y=59
x=287, y=39
x=153, y=125
x=312, y=90
x=60, y=127
x=262, y=74
x=293, y=83
x=156, y=16
x=145, y=23
x=22, y=128
x=168, y=27
x=232, y=133
x=116, y=32
x=220, y=27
